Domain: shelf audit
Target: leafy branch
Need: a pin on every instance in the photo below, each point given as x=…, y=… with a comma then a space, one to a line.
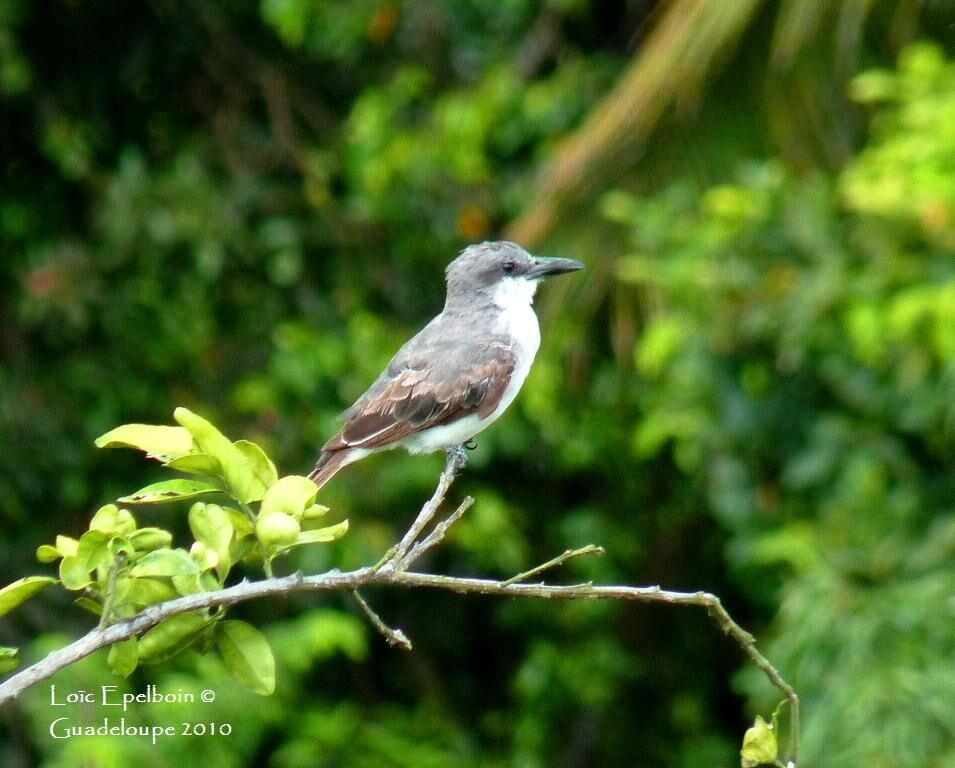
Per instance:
x=155, y=601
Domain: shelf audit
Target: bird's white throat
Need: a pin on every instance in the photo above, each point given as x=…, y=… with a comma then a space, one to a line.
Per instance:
x=512, y=292
x=517, y=319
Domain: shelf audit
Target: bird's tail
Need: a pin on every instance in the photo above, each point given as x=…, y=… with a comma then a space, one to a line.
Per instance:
x=329, y=462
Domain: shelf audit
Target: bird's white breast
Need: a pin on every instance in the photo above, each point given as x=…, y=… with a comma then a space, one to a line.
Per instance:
x=518, y=320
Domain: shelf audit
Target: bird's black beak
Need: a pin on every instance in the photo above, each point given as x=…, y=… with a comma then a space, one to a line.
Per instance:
x=546, y=267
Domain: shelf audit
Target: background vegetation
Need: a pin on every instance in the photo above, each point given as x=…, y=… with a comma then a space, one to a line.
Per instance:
x=245, y=207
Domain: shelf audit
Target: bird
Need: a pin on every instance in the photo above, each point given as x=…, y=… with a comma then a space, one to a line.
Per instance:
x=459, y=373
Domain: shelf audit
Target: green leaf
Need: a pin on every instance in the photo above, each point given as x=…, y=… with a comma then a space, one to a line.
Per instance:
x=208, y=582
x=166, y=562
x=22, y=589
x=140, y=592
x=74, y=573
x=170, y=490
x=93, y=550
x=290, y=495
x=318, y=536
x=245, y=550
x=113, y=521
x=47, y=554
x=247, y=655
x=66, y=546
x=205, y=436
x=90, y=605
x=240, y=522
x=9, y=659
x=148, y=539
x=212, y=527
x=123, y=656
x=206, y=557
x=262, y=473
x=196, y=464
x=190, y=583
x=322, y=535
x=246, y=468
x=171, y=636
x=158, y=442
x=759, y=745
x=314, y=511
x=118, y=546
x=212, y=442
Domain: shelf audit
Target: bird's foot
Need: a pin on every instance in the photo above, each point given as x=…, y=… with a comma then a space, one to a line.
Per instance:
x=457, y=458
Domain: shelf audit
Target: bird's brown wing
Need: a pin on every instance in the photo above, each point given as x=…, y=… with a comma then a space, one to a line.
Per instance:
x=414, y=394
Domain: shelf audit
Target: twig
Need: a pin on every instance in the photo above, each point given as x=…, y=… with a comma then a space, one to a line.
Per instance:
x=640, y=594
x=99, y=638
x=333, y=580
x=590, y=549
x=437, y=535
x=455, y=460
x=391, y=573
x=114, y=569
x=392, y=636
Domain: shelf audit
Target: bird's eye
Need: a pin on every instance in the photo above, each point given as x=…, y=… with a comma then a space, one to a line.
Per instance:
x=509, y=267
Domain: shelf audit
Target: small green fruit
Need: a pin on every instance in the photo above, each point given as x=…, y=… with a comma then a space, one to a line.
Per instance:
x=277, y=529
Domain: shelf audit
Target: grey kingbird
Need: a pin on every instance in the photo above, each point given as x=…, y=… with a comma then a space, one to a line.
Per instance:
x=461, y=371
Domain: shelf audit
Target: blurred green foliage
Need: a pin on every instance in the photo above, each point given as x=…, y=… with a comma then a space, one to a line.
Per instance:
x=799, y=361
x=248, y=206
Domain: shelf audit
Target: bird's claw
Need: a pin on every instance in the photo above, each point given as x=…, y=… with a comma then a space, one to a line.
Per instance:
x=457, y=458
x=470, y=444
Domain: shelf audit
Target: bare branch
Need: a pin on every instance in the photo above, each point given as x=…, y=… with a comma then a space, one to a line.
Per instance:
x=392, y=571
x=455, y=460
x=589, y=549
x=352, y=580
x=640, y=594
x=392, y=636
x=437, y=535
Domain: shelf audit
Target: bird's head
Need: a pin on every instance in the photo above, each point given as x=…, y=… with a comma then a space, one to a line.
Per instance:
x=501, y=271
